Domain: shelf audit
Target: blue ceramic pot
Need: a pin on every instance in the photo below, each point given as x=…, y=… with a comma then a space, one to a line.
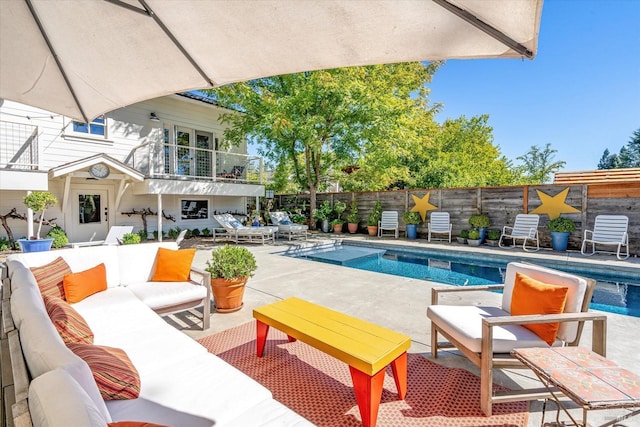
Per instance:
x=38, y=245
x=559, y=240
x=412, y=231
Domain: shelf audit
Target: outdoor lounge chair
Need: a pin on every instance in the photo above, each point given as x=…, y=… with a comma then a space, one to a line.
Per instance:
x=114, y=237
x=389, y=222
x=239, y=232
x=525, y=228
x=286, y=227
x=608, y=230
x=439, y=223
x=486, y=335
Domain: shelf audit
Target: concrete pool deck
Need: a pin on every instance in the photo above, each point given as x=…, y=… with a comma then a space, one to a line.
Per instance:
x=400, y=303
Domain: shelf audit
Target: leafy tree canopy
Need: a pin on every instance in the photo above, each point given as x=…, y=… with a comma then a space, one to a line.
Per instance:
x=629, y=156
x=539, y=165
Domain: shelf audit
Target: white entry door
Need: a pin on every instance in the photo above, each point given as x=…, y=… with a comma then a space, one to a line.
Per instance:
x=88, y=215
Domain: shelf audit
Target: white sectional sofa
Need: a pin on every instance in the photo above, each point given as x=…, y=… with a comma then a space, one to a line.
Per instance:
x=181, y=383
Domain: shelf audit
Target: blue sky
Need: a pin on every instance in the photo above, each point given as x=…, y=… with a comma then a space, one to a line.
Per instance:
x=581, y=93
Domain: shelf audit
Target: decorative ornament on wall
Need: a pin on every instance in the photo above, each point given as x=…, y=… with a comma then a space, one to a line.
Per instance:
x=554, y=205
x=423, y=205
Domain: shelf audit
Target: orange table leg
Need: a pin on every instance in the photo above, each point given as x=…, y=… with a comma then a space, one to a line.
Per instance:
x=399, y=367
x=290, y=338
x=368, y=389
x=261, y=336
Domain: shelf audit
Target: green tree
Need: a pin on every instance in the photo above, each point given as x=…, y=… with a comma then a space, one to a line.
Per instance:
x=608, y=160
x=315, y=123
x=629, y=156
x=539, y=164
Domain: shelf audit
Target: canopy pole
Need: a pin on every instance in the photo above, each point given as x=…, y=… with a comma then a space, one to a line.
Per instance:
x=159, y=217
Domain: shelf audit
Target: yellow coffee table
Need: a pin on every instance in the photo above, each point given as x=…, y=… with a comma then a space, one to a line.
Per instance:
x=367, y=348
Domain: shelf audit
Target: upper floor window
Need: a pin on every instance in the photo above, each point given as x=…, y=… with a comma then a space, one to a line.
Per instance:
x=96, y=127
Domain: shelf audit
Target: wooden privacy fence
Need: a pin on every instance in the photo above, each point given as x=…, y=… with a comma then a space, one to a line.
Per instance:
x=502, y=204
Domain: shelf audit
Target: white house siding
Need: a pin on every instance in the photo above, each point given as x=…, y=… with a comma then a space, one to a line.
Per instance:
x=127, y=128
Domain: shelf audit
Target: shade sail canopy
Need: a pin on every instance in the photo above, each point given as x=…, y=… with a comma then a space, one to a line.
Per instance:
x=82, y=58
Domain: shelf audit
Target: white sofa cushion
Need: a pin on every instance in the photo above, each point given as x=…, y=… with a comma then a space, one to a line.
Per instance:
x=464, y=324
x=57, y=400
x=24, y=303
x=568, y=331
x=158, y=295
x=45, y=351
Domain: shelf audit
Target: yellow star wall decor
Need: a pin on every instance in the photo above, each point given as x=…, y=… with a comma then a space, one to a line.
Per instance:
x=554, y=205
x=423, y=205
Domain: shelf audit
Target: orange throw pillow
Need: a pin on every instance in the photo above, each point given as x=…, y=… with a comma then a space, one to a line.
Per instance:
x=78, y=286
x=68, y=322
x=530, y=296
x=173, y=266
x=115, y=375
x=49, y=277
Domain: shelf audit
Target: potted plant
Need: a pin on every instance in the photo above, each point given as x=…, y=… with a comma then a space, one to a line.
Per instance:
x=412, y=219
x=493, y=236
x=38, y=201
x=480, y=222
x=462, y=237
x=230, y=268
x=130, y=239
x=322, y=214
x=474, y=238
x=337, y=225
x=298, y=218
x=560, y=229
x=374, y=218
x=353, y=219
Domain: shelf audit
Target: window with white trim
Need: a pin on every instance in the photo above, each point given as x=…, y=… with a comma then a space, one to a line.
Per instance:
x=97, y=127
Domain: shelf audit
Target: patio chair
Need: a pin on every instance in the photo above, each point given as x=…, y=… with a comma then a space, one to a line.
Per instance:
x=180, y=237
x=486, y=335
x=286, y=227
x=525, y=228
x=439, y=223
x=239, y=232
x=388, y=221
x=611, y=230
x=114, y=237
x=237, y=171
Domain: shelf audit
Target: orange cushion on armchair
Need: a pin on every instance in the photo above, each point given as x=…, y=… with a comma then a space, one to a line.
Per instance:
x=532, y=296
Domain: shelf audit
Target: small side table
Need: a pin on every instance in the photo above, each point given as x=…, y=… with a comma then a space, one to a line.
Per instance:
x=590, y=380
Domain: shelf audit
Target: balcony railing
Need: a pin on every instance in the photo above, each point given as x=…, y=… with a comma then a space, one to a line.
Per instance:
x=182, y=162
x=18, y=146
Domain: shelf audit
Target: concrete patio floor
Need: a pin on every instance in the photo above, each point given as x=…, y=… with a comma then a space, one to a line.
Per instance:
x=400, y=304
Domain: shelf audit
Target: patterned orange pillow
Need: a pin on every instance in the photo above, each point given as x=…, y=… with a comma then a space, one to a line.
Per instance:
x=173, y=266
x=531, y=296
x=78, y=286
x=49, y=277
x=68, y=322
x=115, y=375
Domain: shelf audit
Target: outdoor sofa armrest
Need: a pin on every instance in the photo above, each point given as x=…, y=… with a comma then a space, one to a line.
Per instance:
x=204, y=278
x=599, y=331
x=435, y=292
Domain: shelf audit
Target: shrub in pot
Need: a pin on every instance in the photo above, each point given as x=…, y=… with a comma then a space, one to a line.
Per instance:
x=374, y=218
x=480, y=222
x=474, y=238
x=412, y=219
x=560, y=229
x=130, y=239
x=38, y=201
x=353, y=219
x=462, y=237
x=337, y=225
x=493, y=236
x=230, y=268
x=322, y=214
x=60, y=239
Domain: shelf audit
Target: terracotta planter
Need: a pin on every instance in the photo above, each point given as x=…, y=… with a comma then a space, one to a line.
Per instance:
x=337, y=228
x=353, y=227
x=228, y=293
x=373, y=230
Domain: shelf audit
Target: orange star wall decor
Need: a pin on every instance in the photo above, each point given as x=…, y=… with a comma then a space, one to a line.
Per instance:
x=423, y=205
x=554, y=205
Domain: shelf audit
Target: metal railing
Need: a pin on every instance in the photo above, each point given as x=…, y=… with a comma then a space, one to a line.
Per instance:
x=18, y=146
x=178, y=161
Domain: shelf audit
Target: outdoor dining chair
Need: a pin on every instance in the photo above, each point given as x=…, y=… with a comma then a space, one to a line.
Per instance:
x=610, y=230
x=389, y=222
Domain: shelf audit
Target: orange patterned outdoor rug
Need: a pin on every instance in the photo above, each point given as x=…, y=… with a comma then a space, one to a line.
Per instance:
x=319, y=387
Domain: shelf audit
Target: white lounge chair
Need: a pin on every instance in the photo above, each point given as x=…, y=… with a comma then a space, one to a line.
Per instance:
x=239, y=232
x=388, y=221
x=286, y=227
x=609, y=230
x=114, y=237
x=439, y=223
x=525, y=228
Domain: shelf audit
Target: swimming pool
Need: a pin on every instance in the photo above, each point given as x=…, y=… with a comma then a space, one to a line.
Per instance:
x=614, y=293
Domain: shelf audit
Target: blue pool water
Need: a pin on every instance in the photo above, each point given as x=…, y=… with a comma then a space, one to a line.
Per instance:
x=615, y=294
